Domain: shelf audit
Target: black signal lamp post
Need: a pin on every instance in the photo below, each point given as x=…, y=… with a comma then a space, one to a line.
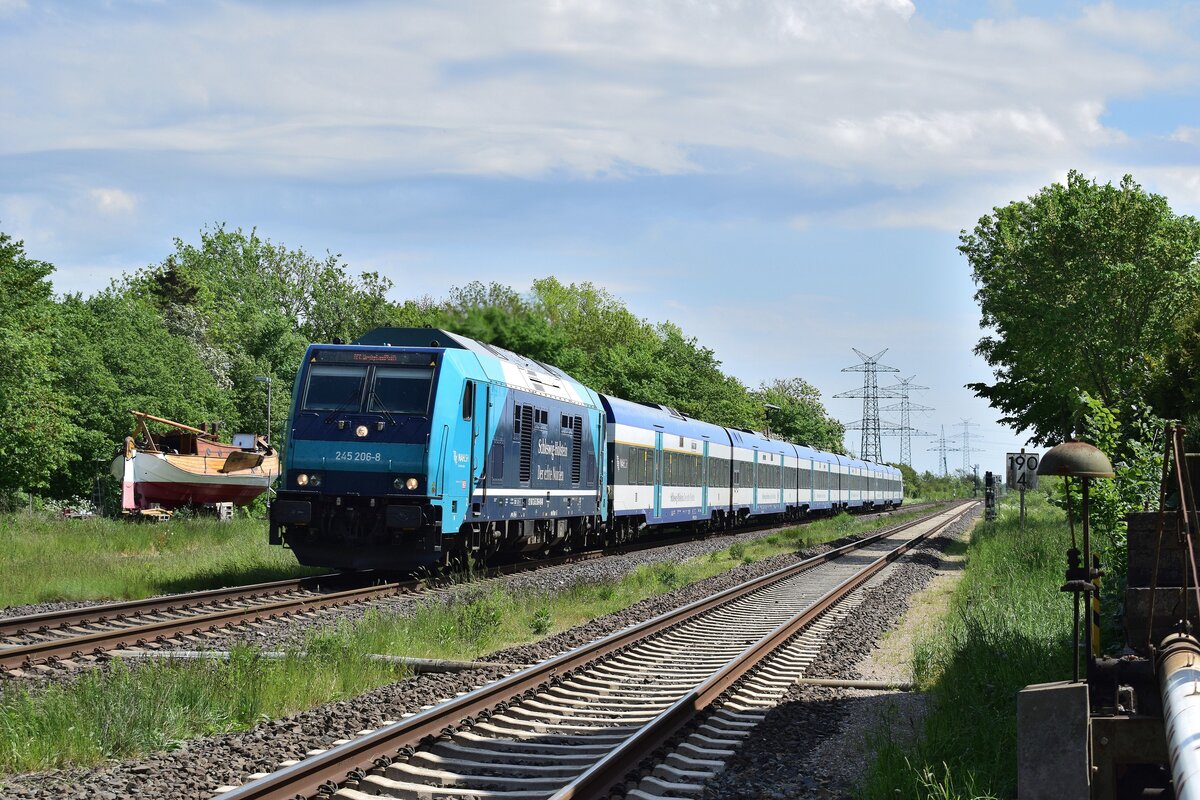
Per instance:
x=1082, y=461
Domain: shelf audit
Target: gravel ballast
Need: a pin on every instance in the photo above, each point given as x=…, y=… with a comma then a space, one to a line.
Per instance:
x=812, y=744
x=200, y=765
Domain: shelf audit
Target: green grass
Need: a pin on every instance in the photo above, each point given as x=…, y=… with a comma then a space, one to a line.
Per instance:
x=149, y=706
x=155, y=705
x=1008, y=626
x=45, y=559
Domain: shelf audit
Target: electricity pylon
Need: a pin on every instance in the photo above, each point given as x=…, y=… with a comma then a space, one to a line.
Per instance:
x=905, y=430
x=942, y=450
x=870, y=394
x=966, y=425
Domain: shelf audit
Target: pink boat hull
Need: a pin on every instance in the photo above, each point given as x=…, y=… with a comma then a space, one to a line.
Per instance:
x=173, y=495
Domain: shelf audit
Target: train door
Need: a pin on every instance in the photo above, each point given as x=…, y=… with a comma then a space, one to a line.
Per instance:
x=704, y=482
x=658, y=473
x=477, y=408
x=754, y=494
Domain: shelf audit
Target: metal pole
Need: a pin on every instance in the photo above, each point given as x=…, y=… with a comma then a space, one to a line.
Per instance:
x=1087, y=564
x=1022, y=509
x=1022, y=495
x=269, y=439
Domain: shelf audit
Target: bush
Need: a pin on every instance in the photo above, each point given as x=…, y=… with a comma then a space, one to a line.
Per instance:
x=541, y=622
x=667, y=574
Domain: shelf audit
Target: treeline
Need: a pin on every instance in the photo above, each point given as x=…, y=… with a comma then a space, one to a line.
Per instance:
x=187, y=338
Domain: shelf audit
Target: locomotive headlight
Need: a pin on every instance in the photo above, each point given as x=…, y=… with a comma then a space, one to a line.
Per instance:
x=360, y=431
x=411, y=484
x=302, y=479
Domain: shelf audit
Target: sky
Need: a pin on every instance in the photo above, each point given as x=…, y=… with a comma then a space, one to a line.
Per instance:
x=785, y=180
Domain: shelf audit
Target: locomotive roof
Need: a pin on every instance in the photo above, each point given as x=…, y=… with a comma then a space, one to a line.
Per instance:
x=437, y=337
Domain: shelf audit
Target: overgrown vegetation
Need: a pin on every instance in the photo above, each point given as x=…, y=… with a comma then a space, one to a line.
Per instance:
x=1008, y=626
x=146, y=706
x=1116, y=273
x=43, y=558
x=185, y=339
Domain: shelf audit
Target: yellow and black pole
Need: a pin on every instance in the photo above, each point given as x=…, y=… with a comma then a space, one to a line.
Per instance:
x=1096, y=573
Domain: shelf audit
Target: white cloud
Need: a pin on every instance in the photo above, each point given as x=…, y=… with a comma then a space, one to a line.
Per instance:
x=1146, y=28
x=1186, y=134
x=598, y=89
x=112, y=201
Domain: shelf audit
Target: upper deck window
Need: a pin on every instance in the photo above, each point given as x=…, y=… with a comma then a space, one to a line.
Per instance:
x=332, y=387
x=401, y=390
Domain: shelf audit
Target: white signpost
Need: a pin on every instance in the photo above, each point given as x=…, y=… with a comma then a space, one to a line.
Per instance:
x=1022, y=475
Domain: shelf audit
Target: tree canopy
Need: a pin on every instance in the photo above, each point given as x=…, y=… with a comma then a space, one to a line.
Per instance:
x=1081, y=288
x=192, y=336
x=36, y=423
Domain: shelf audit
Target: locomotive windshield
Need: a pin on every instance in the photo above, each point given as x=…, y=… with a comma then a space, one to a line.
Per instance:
x=400, y=390
x=334, y=387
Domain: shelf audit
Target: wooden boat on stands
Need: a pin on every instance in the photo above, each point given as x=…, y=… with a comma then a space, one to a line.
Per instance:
x=188, y=466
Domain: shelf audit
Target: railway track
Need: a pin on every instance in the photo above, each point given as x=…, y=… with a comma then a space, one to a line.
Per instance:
x=579, y=724
x=52, y=641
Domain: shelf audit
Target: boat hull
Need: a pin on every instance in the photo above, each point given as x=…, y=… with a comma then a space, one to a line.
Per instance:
x=171, y=481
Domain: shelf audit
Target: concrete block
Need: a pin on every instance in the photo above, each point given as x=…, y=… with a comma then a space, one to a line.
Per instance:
x=1144, y=547
x=1052, y=742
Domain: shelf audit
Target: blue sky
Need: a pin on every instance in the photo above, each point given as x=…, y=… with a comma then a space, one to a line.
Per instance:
x=785, y=180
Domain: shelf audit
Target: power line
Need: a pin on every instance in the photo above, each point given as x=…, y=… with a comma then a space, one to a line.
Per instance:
x=870, y=394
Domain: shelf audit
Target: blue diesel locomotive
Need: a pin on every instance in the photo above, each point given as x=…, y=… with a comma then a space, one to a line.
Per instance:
x=413, y=447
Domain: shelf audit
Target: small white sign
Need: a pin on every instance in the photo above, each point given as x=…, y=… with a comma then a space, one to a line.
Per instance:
x=1022, y=470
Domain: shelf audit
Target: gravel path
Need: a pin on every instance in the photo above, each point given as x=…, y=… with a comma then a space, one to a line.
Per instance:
x=202, y=764
x=813, y=744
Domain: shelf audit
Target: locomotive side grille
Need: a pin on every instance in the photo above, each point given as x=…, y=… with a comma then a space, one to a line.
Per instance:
x=526, y=443
x=576, y=449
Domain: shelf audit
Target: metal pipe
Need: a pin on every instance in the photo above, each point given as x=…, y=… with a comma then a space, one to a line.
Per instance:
x=1179, y=677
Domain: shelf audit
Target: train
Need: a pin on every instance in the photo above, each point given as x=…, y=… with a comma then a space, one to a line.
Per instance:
x=418, y=448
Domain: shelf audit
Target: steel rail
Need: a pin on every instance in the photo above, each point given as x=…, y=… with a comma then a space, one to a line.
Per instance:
x=14, y=626
x=605, y=775
x=96, y=643
x=379, y=748
x=125, y=611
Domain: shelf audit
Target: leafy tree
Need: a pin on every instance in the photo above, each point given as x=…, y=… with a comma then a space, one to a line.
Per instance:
x=36, y=423
x=801, y=418
x=1081, y=286
x=250, y=307
x=1175, y=391
x=116, y=354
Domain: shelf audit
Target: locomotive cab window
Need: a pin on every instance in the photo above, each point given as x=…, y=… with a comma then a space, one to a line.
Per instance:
x=401, y=390
x=468, y=404
x=332, y=387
